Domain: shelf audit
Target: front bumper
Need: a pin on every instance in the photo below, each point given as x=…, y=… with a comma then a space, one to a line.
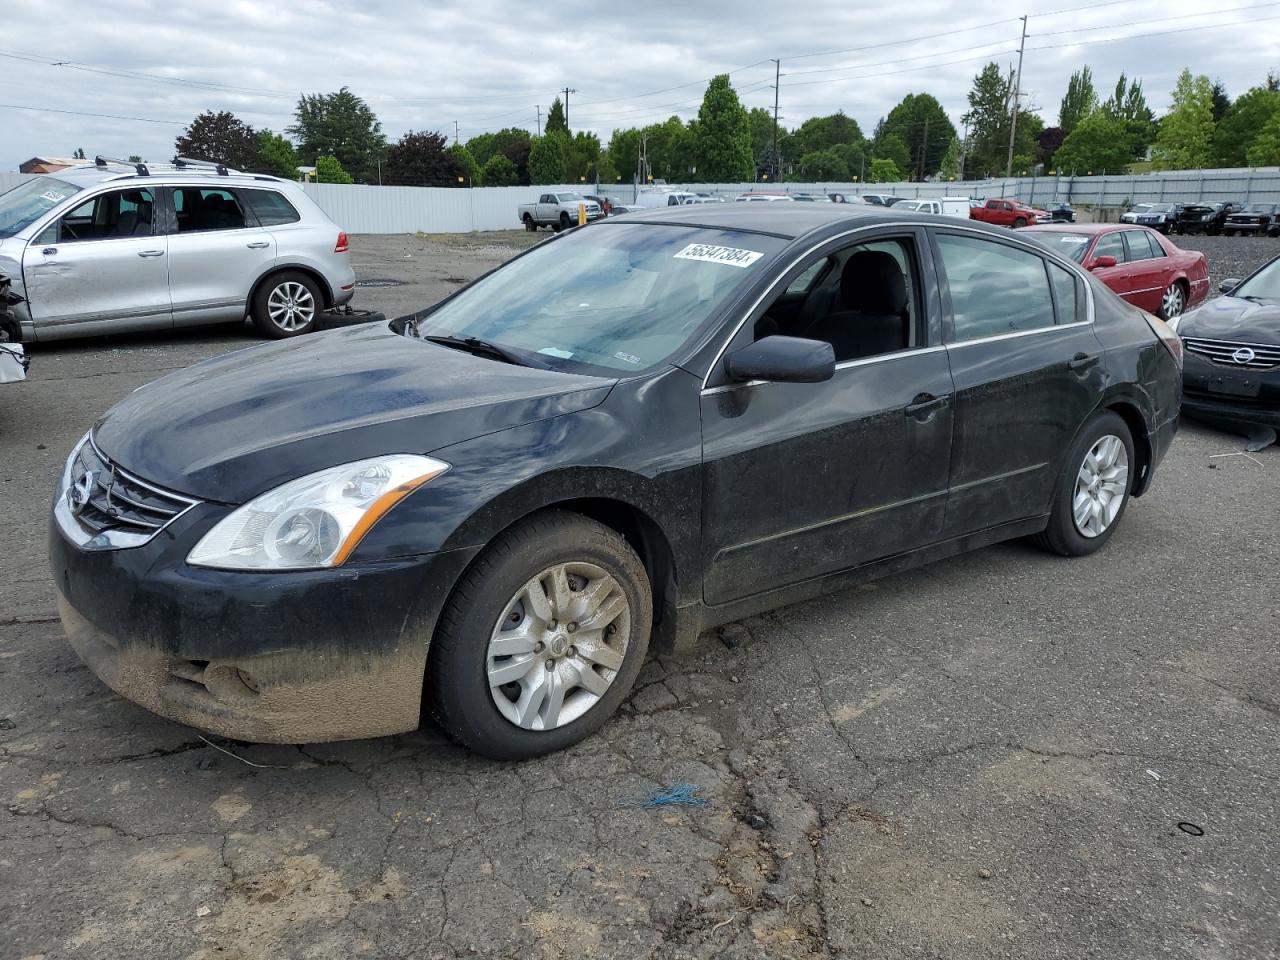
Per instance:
x=1214, y=391
x=298, y=657
x=1251, y=227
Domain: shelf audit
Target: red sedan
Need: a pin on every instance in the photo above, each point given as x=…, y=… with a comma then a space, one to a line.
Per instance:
x=1144, y=267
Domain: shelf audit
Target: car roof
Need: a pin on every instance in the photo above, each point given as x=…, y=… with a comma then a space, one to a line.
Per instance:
x=1089, y=228
x=787, y=220
x=90, y=175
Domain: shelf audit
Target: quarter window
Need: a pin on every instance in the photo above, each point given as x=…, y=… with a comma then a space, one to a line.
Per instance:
x=109, y=216
x=270, y=207
x=1066, y=294
x=995, y=289
x=202, y=208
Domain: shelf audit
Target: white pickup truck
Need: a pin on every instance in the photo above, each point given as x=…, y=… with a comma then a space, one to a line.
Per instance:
x=559, y=211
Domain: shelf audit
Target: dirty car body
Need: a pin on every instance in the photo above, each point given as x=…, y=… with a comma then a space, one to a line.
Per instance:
x=760, y=404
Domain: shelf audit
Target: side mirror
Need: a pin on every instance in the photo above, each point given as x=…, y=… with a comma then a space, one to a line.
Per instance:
x=1226, y=286
x=783, y=360
x=1102, y=261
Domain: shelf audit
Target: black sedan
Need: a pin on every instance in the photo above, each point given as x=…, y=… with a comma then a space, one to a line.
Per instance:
x=1062, y=213
x=1232, y=373
x=628, y=434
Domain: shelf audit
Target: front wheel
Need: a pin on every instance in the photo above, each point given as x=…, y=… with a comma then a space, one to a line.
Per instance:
x=1019, y=222
x=286, y=305
x=542, y=638
x=1093, y=488
x=529, y=224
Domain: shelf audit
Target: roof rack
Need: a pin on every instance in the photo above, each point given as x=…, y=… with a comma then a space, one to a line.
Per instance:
x=141, y=168
x=183, y=162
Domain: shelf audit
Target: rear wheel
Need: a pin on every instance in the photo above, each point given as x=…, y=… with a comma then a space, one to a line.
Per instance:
x=529, y=224
x=286, y=305
x=565, y=222
x=1019, y=222
x=1173, y=302
x=1093, y=488
x=542, y=639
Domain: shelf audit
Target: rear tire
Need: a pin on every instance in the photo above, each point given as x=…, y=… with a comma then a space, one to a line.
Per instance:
x=1019, y=222
x=565, y=222
x=287, y=304
x=493, y=626
x=1098, y=470
x=1173, y=302
x=529, y=224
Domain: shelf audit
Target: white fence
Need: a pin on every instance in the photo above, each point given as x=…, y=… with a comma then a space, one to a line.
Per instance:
x=371, y=209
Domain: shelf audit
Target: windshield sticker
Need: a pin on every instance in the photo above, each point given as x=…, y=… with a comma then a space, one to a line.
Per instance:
x=53, y=196
x=559, y=354
x=627, y=358
x=729, y=256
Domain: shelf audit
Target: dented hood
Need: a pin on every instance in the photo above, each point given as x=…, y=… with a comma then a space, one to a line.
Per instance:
x=232, y=427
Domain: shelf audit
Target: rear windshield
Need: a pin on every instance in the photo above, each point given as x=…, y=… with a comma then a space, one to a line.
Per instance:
x=29, y=201
x=611, y=299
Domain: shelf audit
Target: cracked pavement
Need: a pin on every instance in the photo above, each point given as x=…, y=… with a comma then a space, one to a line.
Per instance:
x=988, y=757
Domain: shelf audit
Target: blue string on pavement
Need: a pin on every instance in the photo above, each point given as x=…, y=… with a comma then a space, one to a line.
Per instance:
x=679, y=795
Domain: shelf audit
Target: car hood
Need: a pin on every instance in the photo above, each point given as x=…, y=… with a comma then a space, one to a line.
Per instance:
x=1233, y=319
x=232, y=427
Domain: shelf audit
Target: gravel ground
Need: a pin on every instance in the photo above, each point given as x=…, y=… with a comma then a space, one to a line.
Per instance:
x=1003, y=755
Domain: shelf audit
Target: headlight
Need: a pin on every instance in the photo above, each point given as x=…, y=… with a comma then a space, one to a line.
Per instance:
x=314, y=521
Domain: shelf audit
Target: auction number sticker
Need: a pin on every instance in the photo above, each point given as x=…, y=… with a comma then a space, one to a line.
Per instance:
x=53, y=196
x=729, y=256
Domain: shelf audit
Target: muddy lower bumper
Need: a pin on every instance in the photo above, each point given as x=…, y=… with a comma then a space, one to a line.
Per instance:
x=298, y=657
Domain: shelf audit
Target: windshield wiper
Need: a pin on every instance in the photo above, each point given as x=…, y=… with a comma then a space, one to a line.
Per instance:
x=484, y=348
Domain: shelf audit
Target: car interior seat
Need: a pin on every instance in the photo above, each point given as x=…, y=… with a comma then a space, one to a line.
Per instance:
x=872, y=317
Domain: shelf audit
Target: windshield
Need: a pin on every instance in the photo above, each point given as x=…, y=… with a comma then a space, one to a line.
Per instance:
x=1142, y=208
x=28, y=202
x=1260, y=208
x=607, y=300
x=1071, y=245
x=1264, y=285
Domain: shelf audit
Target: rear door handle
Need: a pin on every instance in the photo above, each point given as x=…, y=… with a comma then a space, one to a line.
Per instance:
x=1082, y=361
x=259, y=244
x=151, y=253
x=925, y=403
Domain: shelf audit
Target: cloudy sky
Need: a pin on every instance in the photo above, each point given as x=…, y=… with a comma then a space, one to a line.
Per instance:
x=488, y=64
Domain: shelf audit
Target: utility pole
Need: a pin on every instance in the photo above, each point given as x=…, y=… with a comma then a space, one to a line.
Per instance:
x=1017, y=94
x=964, y=147
x=777, y=78
x=924, y=147
x=455, y=131
x=574, y=90
x=537, y=110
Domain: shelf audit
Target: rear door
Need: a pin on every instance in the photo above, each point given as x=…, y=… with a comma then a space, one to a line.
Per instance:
x=1027, y=372
x=1147, y=269
x=217, y=251
x=101, y=267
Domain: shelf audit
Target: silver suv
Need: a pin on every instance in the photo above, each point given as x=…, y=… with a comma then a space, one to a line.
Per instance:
x=114, y=247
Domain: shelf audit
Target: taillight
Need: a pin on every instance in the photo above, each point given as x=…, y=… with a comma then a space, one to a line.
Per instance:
x=1167, y=336
x=342, y=246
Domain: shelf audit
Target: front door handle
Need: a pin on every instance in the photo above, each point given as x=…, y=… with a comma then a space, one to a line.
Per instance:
x=151, y=253
x=1082, y=361
x=925, y=403
x=49, y=251
x=259, y=244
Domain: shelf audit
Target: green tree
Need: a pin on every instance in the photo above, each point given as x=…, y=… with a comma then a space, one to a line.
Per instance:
x=546, y=159
x=948, y=168
x=482, y=147
x=624, y=152
x=341, y=125
x=135, y=158
x=329, y=170
x=1080, y=101
x=607, y=172
x=762, y=137
x=1221, y=102
x=1128, y=104
x=556, y=122
x=823, y=166
x=1265, y=149
x=499, y=172
x=672, y=149
x=919, y=121
x=822, y=133
x=276, y=155
x=421, y=159
x=1097, y=144
x=890, y=146
x=722, y=136
x=1185, y=140
x=467, y=165
x=989, y=116
x=581, y=157
x=79, y=154
x=1248, y=115
x=219, y=137
x=884, y=170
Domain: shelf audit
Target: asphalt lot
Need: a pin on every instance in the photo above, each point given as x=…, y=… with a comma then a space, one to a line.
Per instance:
x=989, y=757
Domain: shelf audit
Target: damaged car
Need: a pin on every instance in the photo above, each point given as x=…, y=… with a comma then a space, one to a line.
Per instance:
x=13, y=360
x=493, y=508
x=1232, y=343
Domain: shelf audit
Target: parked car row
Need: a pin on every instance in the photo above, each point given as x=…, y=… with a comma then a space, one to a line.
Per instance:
x=1212, y=217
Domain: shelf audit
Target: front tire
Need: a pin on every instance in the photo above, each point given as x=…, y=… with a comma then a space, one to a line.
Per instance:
x=1019, y=222
x=542, y=638
x=529, y=224
x=1093, y=488
x=287, y=305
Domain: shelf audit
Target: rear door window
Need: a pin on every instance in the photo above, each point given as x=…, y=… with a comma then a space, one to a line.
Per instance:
x=994, y=288
x=271, y=208
x=1142, y=246
x=207, y=208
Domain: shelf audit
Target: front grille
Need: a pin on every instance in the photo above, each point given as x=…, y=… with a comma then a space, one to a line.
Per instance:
x=118, y=500
x=1222, y=352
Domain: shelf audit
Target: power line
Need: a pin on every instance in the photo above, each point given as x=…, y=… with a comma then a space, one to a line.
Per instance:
x=85, y=113
x=1184, y=16
x=1158, y=33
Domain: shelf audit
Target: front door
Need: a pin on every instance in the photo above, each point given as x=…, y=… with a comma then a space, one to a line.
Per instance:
x=101, y=267
x=802, y=480
x=1027, y=369
x=217, y=251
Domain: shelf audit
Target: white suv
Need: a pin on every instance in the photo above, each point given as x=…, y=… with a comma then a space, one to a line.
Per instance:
x=114, y=247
